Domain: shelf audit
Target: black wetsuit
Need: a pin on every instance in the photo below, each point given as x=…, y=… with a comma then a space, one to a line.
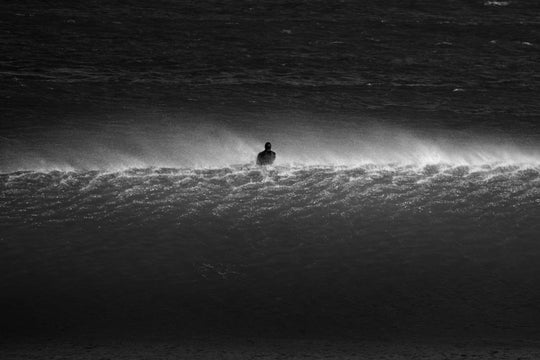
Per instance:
x=266, y=157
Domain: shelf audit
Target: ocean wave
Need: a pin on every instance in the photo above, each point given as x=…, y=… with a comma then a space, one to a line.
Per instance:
x=201, y=174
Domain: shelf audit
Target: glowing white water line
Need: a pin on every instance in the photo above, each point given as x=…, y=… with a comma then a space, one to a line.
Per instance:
x=296, y=144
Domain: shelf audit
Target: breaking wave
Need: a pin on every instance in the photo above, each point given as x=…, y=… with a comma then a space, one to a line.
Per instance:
x=204, y=175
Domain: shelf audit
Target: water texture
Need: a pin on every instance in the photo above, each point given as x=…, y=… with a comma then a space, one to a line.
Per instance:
x=404, y=201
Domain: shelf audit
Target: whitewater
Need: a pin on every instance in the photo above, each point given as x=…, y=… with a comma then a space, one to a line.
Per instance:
x=252, y=194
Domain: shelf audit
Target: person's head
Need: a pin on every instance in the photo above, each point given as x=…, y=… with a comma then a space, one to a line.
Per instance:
x=267, y=146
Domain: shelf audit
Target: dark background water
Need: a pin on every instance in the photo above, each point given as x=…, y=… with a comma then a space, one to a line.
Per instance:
x=420, y=251
x=388, y=57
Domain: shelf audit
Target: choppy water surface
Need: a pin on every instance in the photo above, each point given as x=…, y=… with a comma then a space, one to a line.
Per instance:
x=463, y=62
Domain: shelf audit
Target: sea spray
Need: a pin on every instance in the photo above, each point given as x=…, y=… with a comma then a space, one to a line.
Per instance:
x=211, y=143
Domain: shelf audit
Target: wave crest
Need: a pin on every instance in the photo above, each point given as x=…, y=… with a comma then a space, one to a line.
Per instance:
x=215, y=146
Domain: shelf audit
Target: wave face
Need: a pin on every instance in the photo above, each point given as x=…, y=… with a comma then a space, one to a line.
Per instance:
x=364, y=249
x=357, y=228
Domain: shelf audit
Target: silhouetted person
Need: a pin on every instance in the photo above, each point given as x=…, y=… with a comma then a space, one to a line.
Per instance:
x=267, y=156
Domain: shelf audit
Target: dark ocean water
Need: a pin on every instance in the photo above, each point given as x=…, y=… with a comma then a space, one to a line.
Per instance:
x=405, y=199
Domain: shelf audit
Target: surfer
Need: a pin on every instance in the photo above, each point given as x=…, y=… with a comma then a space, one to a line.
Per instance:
x=267, y=156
